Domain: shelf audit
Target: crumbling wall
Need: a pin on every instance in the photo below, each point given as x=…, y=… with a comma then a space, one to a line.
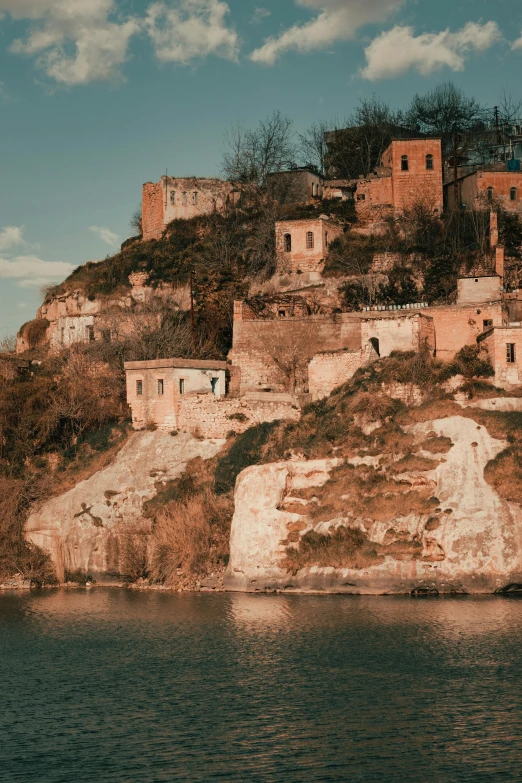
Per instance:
x=328, y=370
x=496, y=341
x=399, y=333
x=216, y=418
x=152, y=210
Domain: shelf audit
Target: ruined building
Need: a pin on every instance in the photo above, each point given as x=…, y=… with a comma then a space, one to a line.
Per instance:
x=174, y=198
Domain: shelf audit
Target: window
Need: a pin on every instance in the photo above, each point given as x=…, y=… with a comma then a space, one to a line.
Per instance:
x=326, y=242
x=309, y=240
x=510, y=353
x=513, y=195
x=361, y=197
x=487, y=323
x=90, y=333
x=281, y=313
x=160, y=386
x=139, y=388
x=404, y=163
x=288, y=243
x=173, y=197
x=429, y=162
x=185, y=199
x=490, y=194
x=182, y=385
x=195, y=198
x=314, y=189
x=214, y=385
x=374, y=342
x=106, y=335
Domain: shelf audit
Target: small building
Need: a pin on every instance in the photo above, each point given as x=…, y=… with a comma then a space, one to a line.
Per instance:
x=155, y=388
x=299, y=185
x=504, y=346
x=387, y=332
x=477, y=288
x=496, y=184
x=410, y=173
x=302, y=245
x=174, y=198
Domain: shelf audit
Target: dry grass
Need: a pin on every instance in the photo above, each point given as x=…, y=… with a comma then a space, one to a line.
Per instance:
x=436, y=444
x=192, y=537
x=504, y=474
x=413, y=463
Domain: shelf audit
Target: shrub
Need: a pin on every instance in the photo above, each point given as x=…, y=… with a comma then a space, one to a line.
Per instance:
x=246, y=450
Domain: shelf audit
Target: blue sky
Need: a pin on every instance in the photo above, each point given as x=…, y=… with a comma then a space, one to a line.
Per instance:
x=99, y=96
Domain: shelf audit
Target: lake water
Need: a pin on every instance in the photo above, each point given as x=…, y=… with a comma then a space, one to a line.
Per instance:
x=110, y=686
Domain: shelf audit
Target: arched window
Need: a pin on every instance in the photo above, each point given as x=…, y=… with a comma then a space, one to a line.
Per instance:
x=429, y=162
x=288, y=243
x=309, y=240
x=404, y=163
x=490, y=194
x=195, y=197
x=513, y=195
x=314, y=190
x=185, y=199
x=173, y=197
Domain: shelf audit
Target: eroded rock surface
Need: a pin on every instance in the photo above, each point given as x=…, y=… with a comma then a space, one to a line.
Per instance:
x=82, y=528
x=472, y=542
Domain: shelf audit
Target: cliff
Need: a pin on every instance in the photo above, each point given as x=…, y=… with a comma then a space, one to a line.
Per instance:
x=466, y=538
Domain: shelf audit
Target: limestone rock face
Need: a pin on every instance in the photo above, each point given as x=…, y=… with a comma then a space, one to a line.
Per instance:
x=81, y=528
x=473, y=544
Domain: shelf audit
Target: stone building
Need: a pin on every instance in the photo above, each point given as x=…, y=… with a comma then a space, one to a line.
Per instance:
x=174, y=198
x=504, y=346
x=299, y=185
x=302, y=245
x=410, y=173
x=495, y=185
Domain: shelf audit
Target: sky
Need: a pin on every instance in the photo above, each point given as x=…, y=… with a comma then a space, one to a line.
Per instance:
x=99, y=96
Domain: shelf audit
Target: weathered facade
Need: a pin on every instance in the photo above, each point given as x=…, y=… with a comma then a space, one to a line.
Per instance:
x=504, y=346
x=410, y=174
x=302, y=245
x=174, y=198
x=298, y=185
x=494, y=185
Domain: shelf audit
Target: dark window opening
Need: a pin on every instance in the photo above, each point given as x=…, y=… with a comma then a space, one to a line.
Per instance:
x=405, y=166
x=288, y=243
x=488, y=323
x=374, y=342
x=90, y=334
x=173, y=197
x=195, y=198
x=182, y=385
x=214, y=384
x=281, y=313
x=309, y=240
x=429, y=162
x=361, y=197
x=510, y=353
x=139, y=388
x=160, y=386
x=513, y=195
x=490, y=194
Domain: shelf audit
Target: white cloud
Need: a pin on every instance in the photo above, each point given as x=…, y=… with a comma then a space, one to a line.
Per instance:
x=337, y=20
x=31, y=271
x=517, y=44
x=11, y=236
x=100, y=44
x=105, y=234
x=186, y=30
x=398, y=50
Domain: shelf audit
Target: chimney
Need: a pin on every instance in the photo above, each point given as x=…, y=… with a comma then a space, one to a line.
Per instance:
x=499, y=261
x=493, y=229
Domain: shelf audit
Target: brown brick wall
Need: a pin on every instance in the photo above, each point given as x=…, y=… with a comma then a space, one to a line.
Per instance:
x=152, y=210
x=458, y=326
x=215, y=418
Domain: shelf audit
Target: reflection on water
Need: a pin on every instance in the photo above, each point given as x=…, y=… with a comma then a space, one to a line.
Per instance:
x=115, y=686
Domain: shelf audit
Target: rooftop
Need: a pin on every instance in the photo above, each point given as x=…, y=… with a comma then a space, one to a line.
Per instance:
x=182, y=364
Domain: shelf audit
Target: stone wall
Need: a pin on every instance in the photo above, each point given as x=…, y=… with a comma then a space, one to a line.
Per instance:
x=496, y=341
x=328, y=370
x=174, y=198
x=417, y=184
x=257, y=342
x=477, y=290
x=473, y=189
x=374, y=198
x=210, y=417
x=456, y=326
x=398, y=333
x=300, y=257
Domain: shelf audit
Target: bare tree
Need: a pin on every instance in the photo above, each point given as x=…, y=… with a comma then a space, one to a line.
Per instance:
x=291, y=346
x=136, y=221
x=251, y=154
x=313, y=147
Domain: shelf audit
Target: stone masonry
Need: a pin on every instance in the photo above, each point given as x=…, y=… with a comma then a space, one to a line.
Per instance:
x=302, y=245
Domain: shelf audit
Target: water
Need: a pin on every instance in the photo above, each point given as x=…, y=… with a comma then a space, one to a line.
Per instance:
x=108, y=686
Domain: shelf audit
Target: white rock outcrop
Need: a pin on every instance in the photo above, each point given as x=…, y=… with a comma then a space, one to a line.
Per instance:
x=81, y=528
x=474, y=545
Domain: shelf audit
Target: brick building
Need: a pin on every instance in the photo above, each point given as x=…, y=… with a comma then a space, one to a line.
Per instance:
x=175, y=198
x=410, y=173
x=495, y=185
x=302, y=245
x=299, y=185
